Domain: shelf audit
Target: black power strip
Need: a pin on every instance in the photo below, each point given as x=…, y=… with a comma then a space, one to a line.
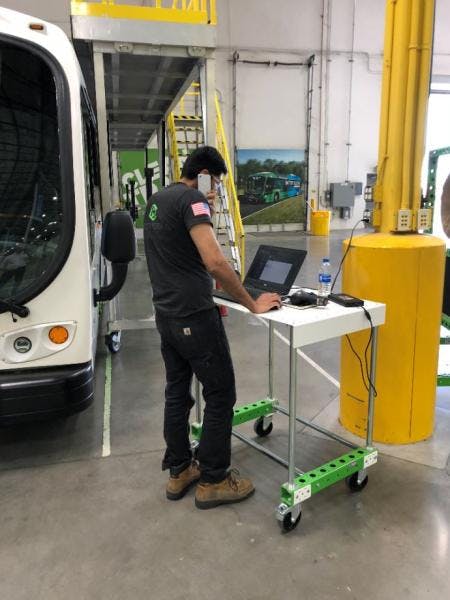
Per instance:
x=346, y=300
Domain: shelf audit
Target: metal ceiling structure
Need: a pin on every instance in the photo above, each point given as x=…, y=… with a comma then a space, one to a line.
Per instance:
x=147, y=65
x=139, y=92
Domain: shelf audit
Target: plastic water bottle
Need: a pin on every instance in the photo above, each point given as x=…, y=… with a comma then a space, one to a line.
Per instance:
x=324, y=289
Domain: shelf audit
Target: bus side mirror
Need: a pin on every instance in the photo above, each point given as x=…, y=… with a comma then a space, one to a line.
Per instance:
x=119, y=247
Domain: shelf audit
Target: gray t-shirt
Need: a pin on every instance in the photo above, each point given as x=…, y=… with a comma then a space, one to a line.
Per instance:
x=181, y=284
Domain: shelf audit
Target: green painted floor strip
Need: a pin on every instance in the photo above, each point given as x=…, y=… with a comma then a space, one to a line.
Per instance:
x=106, y=446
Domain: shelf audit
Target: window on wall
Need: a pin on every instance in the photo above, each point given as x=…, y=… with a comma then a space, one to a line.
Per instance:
x=438, y=126
x=438, y=136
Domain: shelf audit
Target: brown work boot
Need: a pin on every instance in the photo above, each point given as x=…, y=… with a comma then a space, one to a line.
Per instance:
x=178, y=485
x=232, y=489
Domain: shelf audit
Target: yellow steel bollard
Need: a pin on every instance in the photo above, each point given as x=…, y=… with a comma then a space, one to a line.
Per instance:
x=406, y=273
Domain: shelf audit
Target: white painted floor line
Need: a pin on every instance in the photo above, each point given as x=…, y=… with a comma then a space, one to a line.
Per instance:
x=305, y=357
x=106, y=447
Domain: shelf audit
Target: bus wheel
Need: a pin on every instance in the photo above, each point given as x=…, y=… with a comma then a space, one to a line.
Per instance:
x=113, y=341
x=276, y=197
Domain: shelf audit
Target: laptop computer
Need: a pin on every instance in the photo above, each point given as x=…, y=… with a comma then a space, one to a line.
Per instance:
x=273, y=269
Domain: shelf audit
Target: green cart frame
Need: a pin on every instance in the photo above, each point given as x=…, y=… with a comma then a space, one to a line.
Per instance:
x=351, y=466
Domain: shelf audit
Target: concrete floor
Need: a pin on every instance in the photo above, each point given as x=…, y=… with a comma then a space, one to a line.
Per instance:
x=75, y=525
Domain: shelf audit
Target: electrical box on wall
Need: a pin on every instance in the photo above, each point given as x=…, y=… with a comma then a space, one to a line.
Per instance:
x=342, y=195
x=357, y=187
x=424, y=219
x=404, y=220
x=371, y=180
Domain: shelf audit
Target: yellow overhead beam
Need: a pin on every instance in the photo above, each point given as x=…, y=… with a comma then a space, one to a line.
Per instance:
x=193, y=12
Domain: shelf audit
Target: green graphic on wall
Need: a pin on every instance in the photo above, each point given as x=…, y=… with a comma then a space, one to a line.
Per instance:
x=132, y=164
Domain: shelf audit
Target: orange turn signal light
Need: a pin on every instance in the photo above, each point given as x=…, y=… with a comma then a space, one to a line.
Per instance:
x=58, y=334
x=36, y=26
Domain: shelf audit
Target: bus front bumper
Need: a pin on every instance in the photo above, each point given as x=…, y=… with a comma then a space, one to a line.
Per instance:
x=28, y=394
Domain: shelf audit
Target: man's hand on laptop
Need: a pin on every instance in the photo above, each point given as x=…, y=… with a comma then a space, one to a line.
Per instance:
x=266, y=302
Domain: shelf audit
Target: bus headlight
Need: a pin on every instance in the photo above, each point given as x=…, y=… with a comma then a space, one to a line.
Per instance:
x=58, y=334
x=22, y=344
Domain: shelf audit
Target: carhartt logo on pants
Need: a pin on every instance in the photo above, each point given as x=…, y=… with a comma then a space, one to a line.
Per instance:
x=187, y=331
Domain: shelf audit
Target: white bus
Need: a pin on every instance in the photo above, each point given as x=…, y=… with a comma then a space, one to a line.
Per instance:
x=50, y=224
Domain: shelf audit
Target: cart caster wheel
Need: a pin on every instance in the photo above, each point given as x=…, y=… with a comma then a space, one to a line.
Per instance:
x=194, y=449
x=112, y=340
x=258, y=427
x=287, y=524
x=353, y=484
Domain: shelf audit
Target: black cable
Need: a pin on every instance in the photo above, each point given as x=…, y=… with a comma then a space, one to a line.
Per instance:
x=366, y=312
x=370, y=385
x=364, y=220
x=360, y=362
x=269, y=63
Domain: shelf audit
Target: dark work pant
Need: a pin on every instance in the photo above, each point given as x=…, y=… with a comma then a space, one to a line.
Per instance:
x=197, y=344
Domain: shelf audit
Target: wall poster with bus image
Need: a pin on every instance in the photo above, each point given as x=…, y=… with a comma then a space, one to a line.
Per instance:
x=270, y=186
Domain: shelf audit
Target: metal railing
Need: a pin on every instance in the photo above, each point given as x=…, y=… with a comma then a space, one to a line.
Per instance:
x=197, y=12
x=175, y=170
x=234, y=206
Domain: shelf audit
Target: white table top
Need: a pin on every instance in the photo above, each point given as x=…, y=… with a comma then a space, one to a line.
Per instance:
x=316, y=324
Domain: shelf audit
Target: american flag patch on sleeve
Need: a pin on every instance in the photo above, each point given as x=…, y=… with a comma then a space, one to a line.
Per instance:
x=201, y=208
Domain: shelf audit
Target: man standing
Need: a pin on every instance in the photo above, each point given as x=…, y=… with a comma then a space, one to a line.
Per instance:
x=183, y=256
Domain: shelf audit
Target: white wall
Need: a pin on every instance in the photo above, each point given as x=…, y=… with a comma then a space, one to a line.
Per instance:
x=271, y=101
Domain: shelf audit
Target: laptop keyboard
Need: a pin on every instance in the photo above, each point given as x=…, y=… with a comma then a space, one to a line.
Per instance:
x=254, y=293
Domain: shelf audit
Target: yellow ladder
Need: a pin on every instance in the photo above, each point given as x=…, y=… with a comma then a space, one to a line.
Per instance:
x=231, y=211
x=185, y=133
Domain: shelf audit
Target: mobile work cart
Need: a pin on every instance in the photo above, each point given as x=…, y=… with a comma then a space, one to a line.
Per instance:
x=307, y=326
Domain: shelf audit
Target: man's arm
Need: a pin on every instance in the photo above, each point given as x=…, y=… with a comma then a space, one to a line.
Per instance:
x=217, y=265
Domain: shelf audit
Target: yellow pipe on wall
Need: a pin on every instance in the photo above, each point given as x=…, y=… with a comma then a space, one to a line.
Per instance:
x=405, y=272
x=423, y=93
x=405, y=91
x=399, y=72
x=411, y=104
x=384, y=116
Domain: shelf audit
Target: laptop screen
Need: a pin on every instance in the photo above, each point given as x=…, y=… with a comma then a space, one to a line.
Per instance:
x=275, y=271
x=275, y=268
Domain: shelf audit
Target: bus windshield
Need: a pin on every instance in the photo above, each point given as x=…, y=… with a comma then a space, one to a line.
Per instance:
x=31, y=203
x=256, y=183
x=270, y=184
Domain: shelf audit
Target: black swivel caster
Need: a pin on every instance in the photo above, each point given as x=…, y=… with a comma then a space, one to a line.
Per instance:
x=288, y=518
x=113, y=342
x=259, y=429
x=354, y=485
x=288, y=523
x=194, y=448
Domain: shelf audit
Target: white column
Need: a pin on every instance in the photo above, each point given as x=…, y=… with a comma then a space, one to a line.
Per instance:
x=116, y=178
x=208, y=91
x=102, y=130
